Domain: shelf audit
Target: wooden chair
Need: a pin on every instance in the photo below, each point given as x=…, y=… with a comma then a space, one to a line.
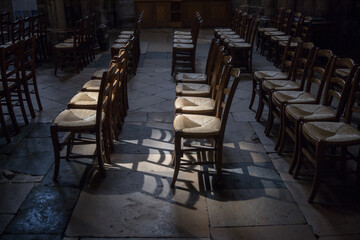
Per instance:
x=244, y=51
x=70, y=51
x=322, y=136
x=203, y=90
x=285, y=73
x=336, y=94
x=203, y=127
x=79, y=121
x=4, y=27
x=27, y=28
x=184, y=54
x=205, y=105
x=240, y=32
x=201, y=78
x=11, y=90
x=28, y=72
x=301, y=63
x=16, y=30
x=320, y=69
x=236, y=17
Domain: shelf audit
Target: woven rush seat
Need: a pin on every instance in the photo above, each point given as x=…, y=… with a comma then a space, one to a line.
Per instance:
x=269, y=29
x=92, y=85
x=335, y=132
x=126, y=32
x=270, y=75
x=219, y=30
x=293, y=97
x=118, y=45
x=239, y=45
x=234, y=40
x=69, y=40
x=192, y=89
x=197, y=105
x=292, y=44
x=280, y=38
x=342, y=72
x=182, y=37
x=183, y=46
x=182, y=33
x=65, y=45
x=98, y=74
x=121, y=40
x=84, y=100
x=190, y=124
x=276, y=33
x=73, y=118
x=123, y=36
x=186, y=77
x=280, y=85
x=183, y=41
x=309, y=112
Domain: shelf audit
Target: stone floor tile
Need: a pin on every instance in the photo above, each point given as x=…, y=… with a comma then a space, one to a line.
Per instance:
x=12, y=196
x=341, y=237
x=7, y=176
x=144, y=238
x=245, y=176
x=252, y=207
x=164, y=117
x=293, y=232
x=46, y=210
x=4, y=221
x=136, y=116
x=126, y=197
x=30, y=237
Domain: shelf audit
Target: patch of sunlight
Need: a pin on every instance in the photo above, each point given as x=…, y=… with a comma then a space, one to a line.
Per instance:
x=149, y=184
x=247, y=146
x=229, y=145
x=258, y=157
x=131, y=141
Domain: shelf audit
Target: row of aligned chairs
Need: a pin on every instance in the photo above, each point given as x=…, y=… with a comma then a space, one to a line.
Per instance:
x=309, y=96
x=79, y=49
x=184, y=46
x=22, y=29
x=239, y=40
x=202, y=106
x=18, y=82
x=95, y=115
x=132, y=36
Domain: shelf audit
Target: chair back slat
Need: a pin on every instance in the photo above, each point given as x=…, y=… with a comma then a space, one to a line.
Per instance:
x=10, y=65
x=290, y=56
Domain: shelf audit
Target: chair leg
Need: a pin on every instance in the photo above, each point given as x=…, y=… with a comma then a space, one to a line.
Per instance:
x=283, y=122
x=12, y=114
x=300, y=155
x=296, y=148
x=55, y=60
x=36, y=91
x=318, y=171
x=176, y=158
x=253, y=93
x=100, y=149
x=28, y=99
x=22, y=106
x=173, y=62
x=219, y=145
x=56, y=145
x=4, y=127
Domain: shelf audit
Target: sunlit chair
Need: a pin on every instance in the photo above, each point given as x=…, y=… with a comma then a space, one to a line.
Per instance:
x=203, y=127
x=336, y=94
x=317, y=138
x=75, y=122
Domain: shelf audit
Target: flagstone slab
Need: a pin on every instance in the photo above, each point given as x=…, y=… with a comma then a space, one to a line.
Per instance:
x=12, y=196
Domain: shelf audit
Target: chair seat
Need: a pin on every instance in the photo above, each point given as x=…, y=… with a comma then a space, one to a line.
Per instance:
x=77, y=118
x=182, y=37
x=183, y=46
x=84, y=99
x=186, y=41
x=268, y=29
x=182, y=33
x=332, y=132
x=69, y=40
x=197, y=125
x=239, y=45
x=342, y=72
x=124, y=36
x=118, y=45
x=223, y=30
x=280, y=38
x=196, y=105
x=310, y=112
x=92, y=85
x=284, y=43
x=270, y=75
x=276, y=33
x=185, y=77
x=121, y=40
x=64, y=45
x=280, y=85
x=126, y=32
x=234, y=40
x=192, y=89
x=293, y=97
x=98, y=74
x=227, y=33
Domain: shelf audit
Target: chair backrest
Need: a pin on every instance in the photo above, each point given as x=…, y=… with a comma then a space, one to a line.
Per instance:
x=302, y=63
x=234, y=18
x=337, y=87
x=223, y=82
x=278, y=17
x=228, y=95
x=78, y=33
x=241, y=24
x=245, y=26
x=253, y=30
x=218, y=67
x=27, y=28
x=4, y=26
x=305, y=25
x=286, y=21
x=319, y=71
x=353, y=104
x=295, y=25
x=42, y=25
x=211, y=57
x=28, y=58
x=16, y=30
x=196, y=33
x=9, y=64
x=290, y=55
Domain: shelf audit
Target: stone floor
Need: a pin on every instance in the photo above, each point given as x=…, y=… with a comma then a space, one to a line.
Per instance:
x=258, y=199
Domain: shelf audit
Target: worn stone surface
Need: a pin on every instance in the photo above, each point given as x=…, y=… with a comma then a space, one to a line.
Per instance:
x=12, y=196
x=294, y=232
x=46, y=210
x=253, y=207
x=125, y=197
x=30, y=237
x=4, y=220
